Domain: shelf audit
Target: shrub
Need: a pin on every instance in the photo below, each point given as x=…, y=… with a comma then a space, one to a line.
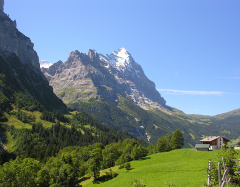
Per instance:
x=138, y=183
x=127, y=166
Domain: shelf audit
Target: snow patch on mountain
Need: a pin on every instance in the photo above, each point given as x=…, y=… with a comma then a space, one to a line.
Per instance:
x=44, y=64
x=120, y=59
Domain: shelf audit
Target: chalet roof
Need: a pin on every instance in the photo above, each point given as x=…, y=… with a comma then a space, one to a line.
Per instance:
x=212, y=138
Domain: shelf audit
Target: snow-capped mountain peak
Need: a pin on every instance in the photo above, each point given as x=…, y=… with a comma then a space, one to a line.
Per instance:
x=121, y=58
x=44, y=64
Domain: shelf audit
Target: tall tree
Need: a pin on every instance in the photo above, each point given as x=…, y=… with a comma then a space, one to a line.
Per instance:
x=177, y=139
x=95, y=162
x=162, y=144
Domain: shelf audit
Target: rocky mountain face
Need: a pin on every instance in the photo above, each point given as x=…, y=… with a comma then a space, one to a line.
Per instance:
x=92, y=75
x=13, y=41
x=20, y=69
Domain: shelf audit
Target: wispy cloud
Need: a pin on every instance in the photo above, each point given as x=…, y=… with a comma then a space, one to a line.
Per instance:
x=233, y=78
x=185, y=92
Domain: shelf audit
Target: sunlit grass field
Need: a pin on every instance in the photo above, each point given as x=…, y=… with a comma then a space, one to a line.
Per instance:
x=181, y=168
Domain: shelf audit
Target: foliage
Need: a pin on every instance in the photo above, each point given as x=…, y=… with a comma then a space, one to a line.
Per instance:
x=213, y=173
x=54, y=116
x=19, y=173
x=4, y=103
x=170, y=142
x=110, y=174
x=139, y=183
x=229, y=155
x=22, y=116
x=3, y=155
x=177, y=140
x=95, y=162
x=29, y=172
x=57, y=173
x=26, y=102
x=127, y=166
x=110, y=154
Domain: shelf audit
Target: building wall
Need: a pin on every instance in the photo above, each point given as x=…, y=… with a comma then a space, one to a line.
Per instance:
x=220, y=142
x=214, y=142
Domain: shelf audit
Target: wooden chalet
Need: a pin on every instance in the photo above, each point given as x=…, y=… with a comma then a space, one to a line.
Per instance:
x=212, y=143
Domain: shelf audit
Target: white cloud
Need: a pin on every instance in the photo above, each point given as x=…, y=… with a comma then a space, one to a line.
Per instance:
x=185, y=92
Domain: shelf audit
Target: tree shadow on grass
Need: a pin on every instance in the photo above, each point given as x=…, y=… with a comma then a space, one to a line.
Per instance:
x=105, y=178
x=84, y=178
x=127, y=170
x=145, y=158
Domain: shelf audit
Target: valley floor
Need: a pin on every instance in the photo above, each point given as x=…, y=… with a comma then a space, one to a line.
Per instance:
x=182, y=168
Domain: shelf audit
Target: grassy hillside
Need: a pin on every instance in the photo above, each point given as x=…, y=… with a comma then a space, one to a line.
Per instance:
x=184, y=167
x=129, y=117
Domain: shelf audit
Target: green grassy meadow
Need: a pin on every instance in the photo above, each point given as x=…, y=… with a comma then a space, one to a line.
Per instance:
x=184, y=167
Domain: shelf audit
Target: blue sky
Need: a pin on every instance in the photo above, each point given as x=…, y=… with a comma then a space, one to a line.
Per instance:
x=189, y=48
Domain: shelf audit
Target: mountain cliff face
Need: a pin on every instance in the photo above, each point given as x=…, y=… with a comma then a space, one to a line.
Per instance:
x=13, y=41
x=92, y=75
x=20, y=69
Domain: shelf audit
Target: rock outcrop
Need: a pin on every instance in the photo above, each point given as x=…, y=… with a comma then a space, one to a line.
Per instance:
x=13, y=41
x=1, y=5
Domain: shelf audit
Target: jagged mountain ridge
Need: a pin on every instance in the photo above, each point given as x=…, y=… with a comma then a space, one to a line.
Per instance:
x=94, y=75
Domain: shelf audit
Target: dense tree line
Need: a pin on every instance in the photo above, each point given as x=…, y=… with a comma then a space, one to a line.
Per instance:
x=29, y=172
x=170, y=142
x=41, y=143
x=54, y=116
x=25, y=118
x=70, y=164
x=26, y=102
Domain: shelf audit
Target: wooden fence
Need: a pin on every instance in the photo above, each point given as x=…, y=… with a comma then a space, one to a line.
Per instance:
x=221, y=179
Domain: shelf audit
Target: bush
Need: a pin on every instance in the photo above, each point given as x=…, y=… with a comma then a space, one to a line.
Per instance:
x=127, y=166
x=138, y=183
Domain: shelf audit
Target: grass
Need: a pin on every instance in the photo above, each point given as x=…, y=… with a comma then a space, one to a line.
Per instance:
x=10, y=143
x=12, y=120
x=185, y=167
